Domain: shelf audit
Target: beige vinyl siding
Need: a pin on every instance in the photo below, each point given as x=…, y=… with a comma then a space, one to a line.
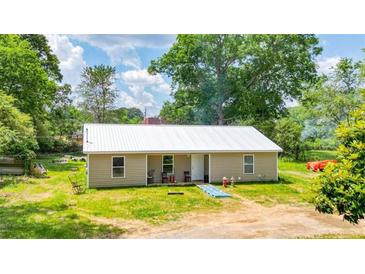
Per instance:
x=222, y=164
x=100, y=170
x=231, y=164
x=181, y=164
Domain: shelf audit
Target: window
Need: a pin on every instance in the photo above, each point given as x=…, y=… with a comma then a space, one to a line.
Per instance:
x=248, y=164
x=168, y=163
x=118, y=167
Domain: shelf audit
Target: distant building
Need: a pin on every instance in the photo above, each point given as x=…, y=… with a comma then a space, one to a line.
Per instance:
x=153, y=121
x=78, y=137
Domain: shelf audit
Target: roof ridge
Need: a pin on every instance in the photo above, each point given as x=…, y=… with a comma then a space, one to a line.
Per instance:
x=170, y=125
x=140, y=137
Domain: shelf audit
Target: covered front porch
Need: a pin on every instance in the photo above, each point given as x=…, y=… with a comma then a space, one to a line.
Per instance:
x=181, y=169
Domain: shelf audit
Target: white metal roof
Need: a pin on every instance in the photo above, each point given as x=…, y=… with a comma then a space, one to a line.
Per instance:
x=117, y=138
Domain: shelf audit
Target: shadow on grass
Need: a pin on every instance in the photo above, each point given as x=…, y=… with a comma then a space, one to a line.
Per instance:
x=56, y=155
x=37, y=221
x=63, y=167
x=13, y=180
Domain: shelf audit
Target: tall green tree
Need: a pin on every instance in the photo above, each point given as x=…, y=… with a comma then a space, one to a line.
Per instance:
x=341, y=188
x=237, y=77
x=287, y=134
x=135, y=113
x=49, y=60
x=173, y=113
x=346, y=76
x=330, y=101
x=125, y=116
x=65, y=117
x=181, y=111
x=98, y=91
x=23, y=76
x=17, y=135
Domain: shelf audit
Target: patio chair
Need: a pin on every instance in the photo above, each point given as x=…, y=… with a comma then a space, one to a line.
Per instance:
x=150, y=177
x=76, y=186
x=164, y=177
x=187, y=176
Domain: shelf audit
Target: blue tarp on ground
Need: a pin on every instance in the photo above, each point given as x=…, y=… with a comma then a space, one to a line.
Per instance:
x=213, y=191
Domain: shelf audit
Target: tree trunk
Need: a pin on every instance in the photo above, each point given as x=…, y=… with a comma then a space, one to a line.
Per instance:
x=220, y=115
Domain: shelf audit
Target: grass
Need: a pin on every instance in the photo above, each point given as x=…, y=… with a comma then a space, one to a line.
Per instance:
x=149, y=204
x=295, y=185
x=46, y=207
x=314, y=155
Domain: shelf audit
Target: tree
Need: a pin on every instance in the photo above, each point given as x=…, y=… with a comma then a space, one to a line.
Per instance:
x=346, y=76
x=236, y=77
x=287, y=134
x=330, y=101
x=341, y=188
x=65, y=118
x=17, y=136
x=182, y=111
x=49, y=60
x=125, y=116
x=23, y=76
x=98, y=90
x=174, y=114
x=135, y=113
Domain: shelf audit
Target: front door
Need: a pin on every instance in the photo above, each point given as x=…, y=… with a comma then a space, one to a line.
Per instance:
x=197, y=167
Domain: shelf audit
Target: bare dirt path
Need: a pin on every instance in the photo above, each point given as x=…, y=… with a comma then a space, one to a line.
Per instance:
x=250, y=221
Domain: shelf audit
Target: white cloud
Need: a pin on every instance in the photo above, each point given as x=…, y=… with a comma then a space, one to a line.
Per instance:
x=140, y=99
x=141, y=86
x=70, y=57
x=325, y=65
x=141, y=79
x=128, y=40
x=121, y=49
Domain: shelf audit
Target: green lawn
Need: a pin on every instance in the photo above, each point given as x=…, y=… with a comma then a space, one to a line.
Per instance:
x=46, y=207
x=314, y=155
x=294, y=186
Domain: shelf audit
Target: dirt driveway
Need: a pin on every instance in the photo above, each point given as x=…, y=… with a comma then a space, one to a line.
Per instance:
x=250, y=221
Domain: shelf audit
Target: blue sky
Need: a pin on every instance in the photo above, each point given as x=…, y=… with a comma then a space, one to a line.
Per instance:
x=131, y=55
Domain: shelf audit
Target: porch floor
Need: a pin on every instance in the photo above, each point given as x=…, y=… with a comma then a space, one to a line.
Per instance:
x=177, y=184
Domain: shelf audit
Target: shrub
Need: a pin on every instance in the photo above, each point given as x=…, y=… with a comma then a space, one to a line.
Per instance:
x=287, y=134
x=341, y=188
x=17, y=135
